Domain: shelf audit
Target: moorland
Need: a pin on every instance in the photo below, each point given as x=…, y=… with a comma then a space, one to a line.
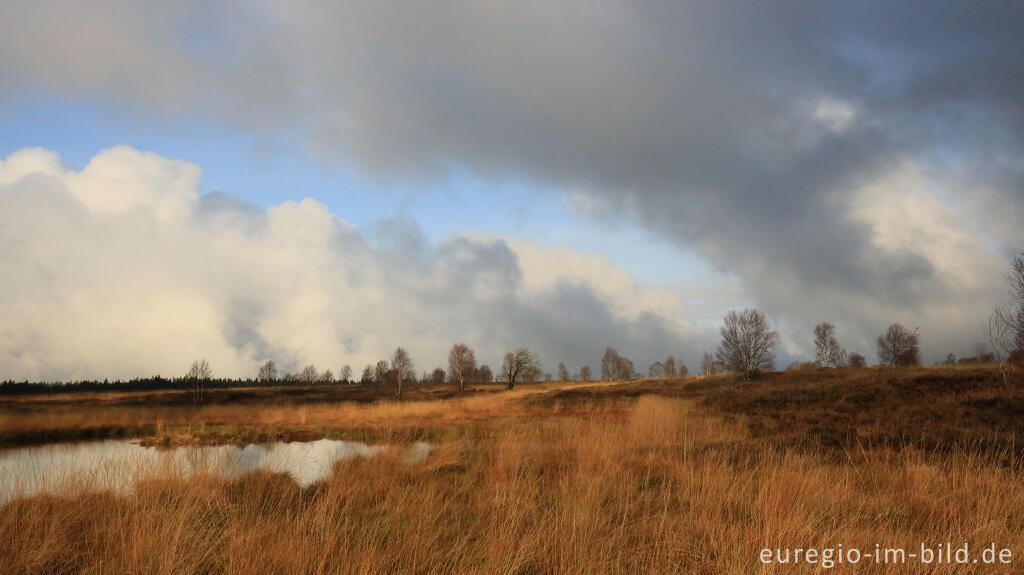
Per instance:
x=685, y=475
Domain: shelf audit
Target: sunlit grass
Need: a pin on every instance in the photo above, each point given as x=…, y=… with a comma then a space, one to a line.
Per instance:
x=646, y=485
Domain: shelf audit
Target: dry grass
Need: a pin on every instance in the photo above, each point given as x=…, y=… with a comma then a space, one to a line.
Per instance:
x=538, y=484
x=263, y=414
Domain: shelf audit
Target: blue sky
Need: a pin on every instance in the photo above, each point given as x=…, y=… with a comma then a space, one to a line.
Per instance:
x=267, y=169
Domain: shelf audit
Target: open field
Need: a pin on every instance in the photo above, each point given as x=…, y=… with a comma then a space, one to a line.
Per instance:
x=266, y=413
x=683, y=476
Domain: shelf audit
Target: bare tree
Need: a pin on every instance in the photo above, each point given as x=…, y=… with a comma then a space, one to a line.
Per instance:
x=437, y=376
x=532, y=374
x=707, y=364
x=1011, y=318
x=267, y=372
x=517, y=364
x=326, y=377
x=402, y=366
x=200, y=370
x=951, y=359
x=380, y=372
x=585, y=374
x=368, y=374
x=897, y=347
x=748, y=343
x=856, y=360
x=981, y=353
x=670, y=366
x=610, y=363
x=484, y=374
x=198, y=375
x=461, y=364
x=656, y=370
x=615, y=366
x=1018, y=328
x=999, y=331
x=1015, y=315
x=683, y=370
x=309, y=375
x=829, y=354
x=626, y=369
x=563, y=372
x=345, y=374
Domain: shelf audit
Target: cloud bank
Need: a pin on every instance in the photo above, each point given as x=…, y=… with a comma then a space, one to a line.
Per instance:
x=857, y=161
x=122, y=269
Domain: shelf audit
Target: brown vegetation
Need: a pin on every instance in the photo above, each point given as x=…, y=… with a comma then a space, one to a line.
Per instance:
x=247, y=415
x=839, y=411
x=677, y=476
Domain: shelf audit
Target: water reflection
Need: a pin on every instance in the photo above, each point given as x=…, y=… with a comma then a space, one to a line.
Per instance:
x=116, y=464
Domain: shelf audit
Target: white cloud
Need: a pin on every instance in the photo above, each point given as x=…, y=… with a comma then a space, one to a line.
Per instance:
x=122, y=179
x=122, y=269
x=30, y=161
x=905, y=214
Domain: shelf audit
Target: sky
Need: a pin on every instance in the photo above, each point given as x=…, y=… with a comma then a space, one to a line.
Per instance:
x=320, y=182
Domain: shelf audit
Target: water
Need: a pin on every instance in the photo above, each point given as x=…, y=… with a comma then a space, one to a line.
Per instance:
x=116, y=464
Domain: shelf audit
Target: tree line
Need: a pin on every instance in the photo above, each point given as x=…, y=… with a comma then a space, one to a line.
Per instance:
x=747, y=348
x=748, y=341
